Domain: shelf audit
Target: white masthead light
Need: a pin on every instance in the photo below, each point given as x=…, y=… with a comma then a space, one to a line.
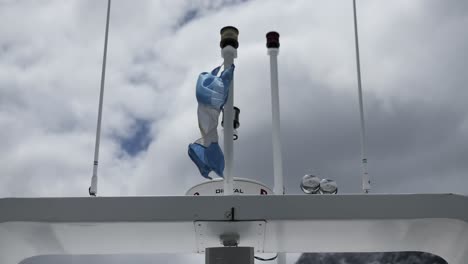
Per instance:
x=310, y=184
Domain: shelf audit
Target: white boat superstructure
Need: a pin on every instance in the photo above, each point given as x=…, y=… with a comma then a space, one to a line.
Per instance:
x=434, y=223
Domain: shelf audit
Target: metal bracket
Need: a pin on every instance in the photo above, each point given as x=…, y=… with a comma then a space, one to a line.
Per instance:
x=230, y=239
x=229, y=233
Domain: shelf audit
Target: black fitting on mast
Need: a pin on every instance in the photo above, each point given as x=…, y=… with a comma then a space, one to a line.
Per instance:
x=272, y=39
x=229, y=37
x=236, y=118
x=236, y=122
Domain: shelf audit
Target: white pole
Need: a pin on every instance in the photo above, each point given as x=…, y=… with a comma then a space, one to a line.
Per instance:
x=366, y=186
x=278, y=189
x=275, y=110
x=94, y=180
x=273, y=50
x=229, y=53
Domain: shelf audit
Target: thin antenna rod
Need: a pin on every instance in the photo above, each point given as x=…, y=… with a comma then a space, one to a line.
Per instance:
x=94, y=179
x=366, y=186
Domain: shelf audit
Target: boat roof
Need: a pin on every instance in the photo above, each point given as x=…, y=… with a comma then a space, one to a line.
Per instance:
x=434, y=223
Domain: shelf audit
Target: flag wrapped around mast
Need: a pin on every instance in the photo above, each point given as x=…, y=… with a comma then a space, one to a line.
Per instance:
x=212, y=93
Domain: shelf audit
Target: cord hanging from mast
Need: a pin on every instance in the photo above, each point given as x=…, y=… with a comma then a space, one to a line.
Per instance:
x=93, y=189
x=366, y=186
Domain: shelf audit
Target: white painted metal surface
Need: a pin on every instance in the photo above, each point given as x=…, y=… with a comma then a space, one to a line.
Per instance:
x=229, y=53
x=435, y=223
x=241, y=187
x=276, y=135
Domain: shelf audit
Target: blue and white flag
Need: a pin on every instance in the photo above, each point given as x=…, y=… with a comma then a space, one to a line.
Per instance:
x=212, y=93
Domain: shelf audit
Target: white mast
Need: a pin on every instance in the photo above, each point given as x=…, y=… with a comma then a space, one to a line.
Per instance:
x=229, y=45
x=366, y=186
x=278, y=189
x=273, y=51
x=94, y=180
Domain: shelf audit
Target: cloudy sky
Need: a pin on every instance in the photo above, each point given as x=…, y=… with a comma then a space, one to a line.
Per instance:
x=414, y=80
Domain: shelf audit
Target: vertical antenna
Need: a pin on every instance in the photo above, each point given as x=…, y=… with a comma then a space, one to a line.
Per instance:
x=273, y=50
x=229, y=45
x=94, y=180
x=366, y=186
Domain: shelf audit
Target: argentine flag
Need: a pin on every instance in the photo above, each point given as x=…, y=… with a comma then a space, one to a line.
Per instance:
x=212, y=93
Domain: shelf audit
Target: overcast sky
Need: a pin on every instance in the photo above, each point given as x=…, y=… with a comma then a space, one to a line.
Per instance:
x=414, y=64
